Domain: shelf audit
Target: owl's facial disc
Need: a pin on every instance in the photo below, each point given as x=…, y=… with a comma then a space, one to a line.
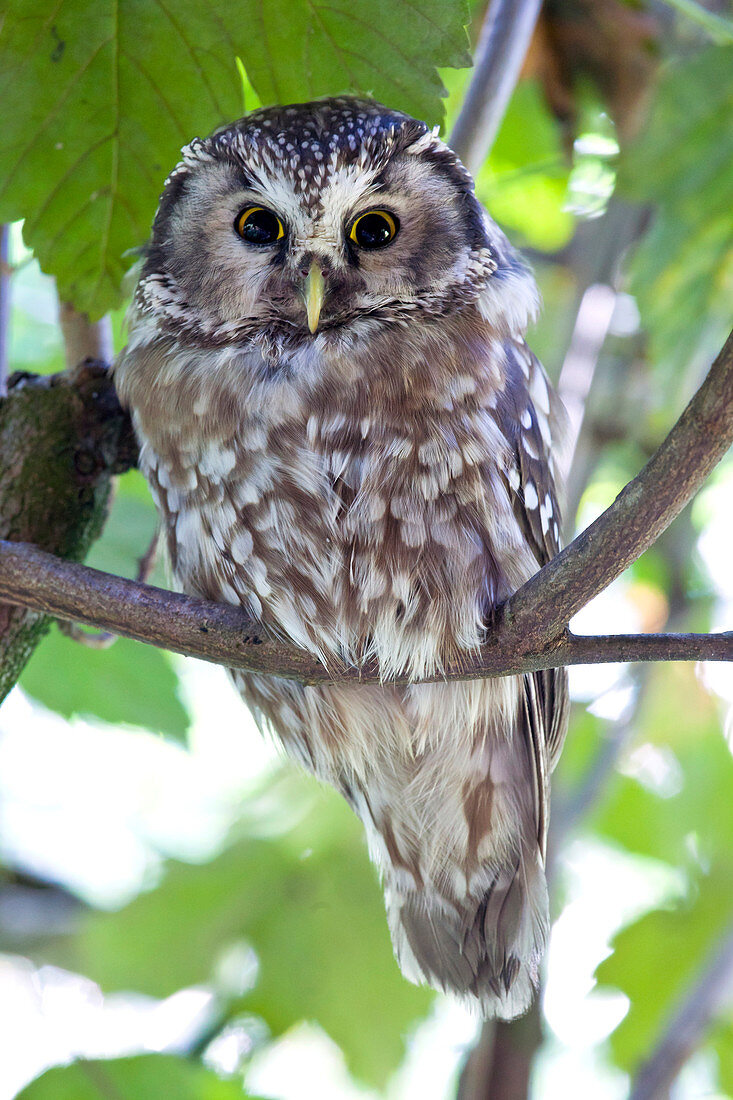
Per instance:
x=307, y=222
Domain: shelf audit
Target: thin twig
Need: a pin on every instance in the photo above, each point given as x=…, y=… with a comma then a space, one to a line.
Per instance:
x=5, y=270
x=717, y=26
x=505, y=37
x=146, y=564
x=569, y=810
x=689, y=1023
x=576, y=375
x=92, y=639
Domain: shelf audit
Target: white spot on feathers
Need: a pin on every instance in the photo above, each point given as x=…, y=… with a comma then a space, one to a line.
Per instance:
x=530, y=495
x=258, y=573
x=216, y=462
x=241, y=546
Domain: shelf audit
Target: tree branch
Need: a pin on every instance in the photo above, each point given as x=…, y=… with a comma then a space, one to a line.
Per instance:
x=530, y=631
x=222, y=634
x=62, y=438
x=500, y=1065
x=641, y=511
x=85, y=339
x=505, y=37
x=688, y=1025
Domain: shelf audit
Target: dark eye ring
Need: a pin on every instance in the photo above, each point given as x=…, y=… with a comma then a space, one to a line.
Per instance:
x=374, y=229
x=258, y=225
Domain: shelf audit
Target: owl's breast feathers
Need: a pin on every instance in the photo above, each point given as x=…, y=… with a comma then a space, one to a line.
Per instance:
x=380, y=500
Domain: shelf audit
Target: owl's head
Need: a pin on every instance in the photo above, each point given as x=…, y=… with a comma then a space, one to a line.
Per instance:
x=314, y=220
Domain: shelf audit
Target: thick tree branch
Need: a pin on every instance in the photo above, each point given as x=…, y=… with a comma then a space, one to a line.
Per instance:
x=505, y=37
x=222, y=634
x=689, y=1023
x=530, y=631
x=61, y=440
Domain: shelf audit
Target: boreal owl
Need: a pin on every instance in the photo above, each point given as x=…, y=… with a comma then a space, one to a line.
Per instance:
x=346, y=434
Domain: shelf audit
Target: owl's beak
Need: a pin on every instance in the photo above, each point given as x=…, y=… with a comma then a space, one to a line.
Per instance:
x=313, y=293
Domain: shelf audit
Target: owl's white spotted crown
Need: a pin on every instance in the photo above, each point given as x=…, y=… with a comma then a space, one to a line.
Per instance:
x=314, y=168
x=310, y=140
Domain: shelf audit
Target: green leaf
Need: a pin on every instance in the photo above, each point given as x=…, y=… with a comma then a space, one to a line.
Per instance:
x=99, y=96
x=656, y=960
x=390, y=49
x=308, y=903
x=693, y=820
x=128, y=531
x=525, y=180
x=129, y=683
x=685, y=819
x=682, y=272
x=147, y=1077
x=722, y=1042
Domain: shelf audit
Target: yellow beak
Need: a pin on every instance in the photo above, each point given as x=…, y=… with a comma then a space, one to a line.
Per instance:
x=314, y=293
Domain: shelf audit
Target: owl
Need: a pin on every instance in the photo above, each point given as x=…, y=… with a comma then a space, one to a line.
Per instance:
x=347, y=436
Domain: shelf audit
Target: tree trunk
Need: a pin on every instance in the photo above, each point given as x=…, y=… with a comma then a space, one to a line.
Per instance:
x=62, y=439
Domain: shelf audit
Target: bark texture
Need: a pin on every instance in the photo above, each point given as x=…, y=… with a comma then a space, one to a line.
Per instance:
x=62, y=439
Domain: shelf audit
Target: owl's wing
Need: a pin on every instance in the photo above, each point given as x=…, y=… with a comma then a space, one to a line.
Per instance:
x=536, y=416
x=538, y=422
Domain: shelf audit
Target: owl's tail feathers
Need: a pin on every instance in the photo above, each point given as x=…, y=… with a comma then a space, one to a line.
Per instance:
x=486, y=949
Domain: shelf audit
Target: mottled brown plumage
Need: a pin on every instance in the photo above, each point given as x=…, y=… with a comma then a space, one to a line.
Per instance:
x=375, y=487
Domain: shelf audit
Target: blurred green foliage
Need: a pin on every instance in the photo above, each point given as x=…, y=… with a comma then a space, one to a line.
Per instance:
x=128, y=683
x=682, y=166
x=524, y=182
x=308, y=903
x=684, y=818
x=148, y=1077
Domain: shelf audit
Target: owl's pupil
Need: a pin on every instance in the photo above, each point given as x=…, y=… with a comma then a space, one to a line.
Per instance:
x=373, y=231
x=260, y=226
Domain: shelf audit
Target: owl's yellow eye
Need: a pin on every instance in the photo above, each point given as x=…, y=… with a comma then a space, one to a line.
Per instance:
x=258, y=225
x=374, y=229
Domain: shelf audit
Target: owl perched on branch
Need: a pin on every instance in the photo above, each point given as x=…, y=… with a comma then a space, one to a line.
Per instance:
x=346, y=434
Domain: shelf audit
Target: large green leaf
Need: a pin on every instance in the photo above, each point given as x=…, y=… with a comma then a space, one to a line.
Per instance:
x=678, y=808
x=307, y=901
x=98, y=96
x=656, y=960
x=129, y=683
x=691, y=818
x=682, y=273
x=147, y=1077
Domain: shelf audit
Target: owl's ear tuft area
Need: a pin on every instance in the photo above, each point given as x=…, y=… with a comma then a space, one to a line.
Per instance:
x=411, y=136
